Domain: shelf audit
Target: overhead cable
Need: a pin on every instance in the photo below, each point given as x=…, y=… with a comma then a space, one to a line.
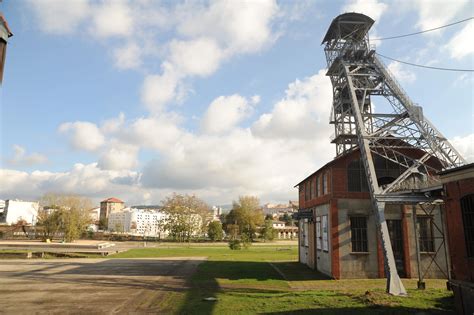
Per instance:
x=424, y=31
x=428, y=67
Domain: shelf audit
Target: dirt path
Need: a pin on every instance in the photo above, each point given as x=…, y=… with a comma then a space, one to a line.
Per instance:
x=105, y=286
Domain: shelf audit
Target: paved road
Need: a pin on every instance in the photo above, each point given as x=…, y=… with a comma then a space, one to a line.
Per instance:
x=97, y=286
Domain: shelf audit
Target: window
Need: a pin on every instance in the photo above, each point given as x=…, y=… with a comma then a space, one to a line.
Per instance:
x=311, y=188
x=467, y=209
x=425, y=231
x=318, y=188
x=307, y=191
x=359, y=234
x=319, y=237
x=325, y=233
x=356, y=179
x=325, y=183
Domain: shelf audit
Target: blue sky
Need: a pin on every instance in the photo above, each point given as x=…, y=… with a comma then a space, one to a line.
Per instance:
x=138, y=99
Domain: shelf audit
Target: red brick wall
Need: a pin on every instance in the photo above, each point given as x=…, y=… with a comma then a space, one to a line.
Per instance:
x=462, y=267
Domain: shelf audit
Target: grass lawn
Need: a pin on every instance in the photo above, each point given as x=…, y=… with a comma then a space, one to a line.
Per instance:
x=268, y=280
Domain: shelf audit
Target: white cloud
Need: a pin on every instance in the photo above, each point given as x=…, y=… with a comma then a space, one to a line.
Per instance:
x=58, y=16
x=112, y=18
x=462, y=45
x=114, y=124
x=434, y=13
x=199, y=57
x=119, y=156
x=82, y=179
x=128, y=56
x=401, y=73
x=159, y=132
x=242, y=26
x=372, y=8
x=225, y=113
x=303, y=113
x=158, y=90
x=83, y=135
x=465, y=146
x=20, y=158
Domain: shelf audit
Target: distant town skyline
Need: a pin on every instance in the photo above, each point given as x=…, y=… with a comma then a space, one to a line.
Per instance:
x=139, y=99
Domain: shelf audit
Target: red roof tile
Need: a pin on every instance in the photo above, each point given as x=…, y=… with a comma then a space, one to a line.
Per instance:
x=113, y=199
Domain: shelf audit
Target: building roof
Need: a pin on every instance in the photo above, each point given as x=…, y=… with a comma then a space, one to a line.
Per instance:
x=355, y=25
x=337, y=158
x=457, y=173
x=112, y=199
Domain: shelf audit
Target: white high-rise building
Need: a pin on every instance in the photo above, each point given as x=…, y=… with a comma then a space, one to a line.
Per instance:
x=14, y=211
x=143, y=222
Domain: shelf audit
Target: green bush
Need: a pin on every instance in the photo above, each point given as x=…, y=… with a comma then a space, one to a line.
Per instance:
x=235, y=245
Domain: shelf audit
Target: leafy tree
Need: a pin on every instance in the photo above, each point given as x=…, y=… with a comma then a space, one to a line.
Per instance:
x=187, y=216
x=268, y=217
x=66, y=213
x=247, y=215
x=268, y=232
x=287, y=218
x=214, y=231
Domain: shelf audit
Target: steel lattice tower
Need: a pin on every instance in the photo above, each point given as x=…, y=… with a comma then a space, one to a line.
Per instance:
x=357, y=75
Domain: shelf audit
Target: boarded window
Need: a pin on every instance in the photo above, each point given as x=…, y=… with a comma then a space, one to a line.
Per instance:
x=359, y=234
x=425, y=231
x=467, y=209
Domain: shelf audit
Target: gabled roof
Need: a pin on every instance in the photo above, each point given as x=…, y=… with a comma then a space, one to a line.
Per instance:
x=112, y=199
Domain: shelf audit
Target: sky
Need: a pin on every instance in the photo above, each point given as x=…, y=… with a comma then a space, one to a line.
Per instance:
x=140, y=99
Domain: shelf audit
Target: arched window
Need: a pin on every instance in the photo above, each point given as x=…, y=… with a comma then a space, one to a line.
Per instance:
x=467, y=209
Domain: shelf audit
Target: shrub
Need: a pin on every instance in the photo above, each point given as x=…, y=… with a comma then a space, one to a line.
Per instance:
x=235, y=245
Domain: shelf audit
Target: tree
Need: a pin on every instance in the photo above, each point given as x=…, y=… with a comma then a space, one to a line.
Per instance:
x=65, y=213
x=288, y=219
x=268, y=232
x=186, y=216
x=214, y=231
x=247, y=215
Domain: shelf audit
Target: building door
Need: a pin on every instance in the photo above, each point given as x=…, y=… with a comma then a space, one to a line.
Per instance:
x=396, y=239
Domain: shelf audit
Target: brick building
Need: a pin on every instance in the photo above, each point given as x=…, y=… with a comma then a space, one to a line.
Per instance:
x=458, y=184
x=337, y=227
x=108, y=206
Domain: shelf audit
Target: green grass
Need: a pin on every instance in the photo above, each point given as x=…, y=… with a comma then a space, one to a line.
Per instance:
x=268, y=280
x=254, y=253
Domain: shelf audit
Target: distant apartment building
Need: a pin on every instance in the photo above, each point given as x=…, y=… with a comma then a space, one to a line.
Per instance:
x=284, y=231
x=216, y=213
x=109, y=206
x=14, y=211
x=144, y=222
x=94, y=215
x=276, y=210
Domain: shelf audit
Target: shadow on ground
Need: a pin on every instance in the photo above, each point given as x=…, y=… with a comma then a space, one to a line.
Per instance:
x=235, y=283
